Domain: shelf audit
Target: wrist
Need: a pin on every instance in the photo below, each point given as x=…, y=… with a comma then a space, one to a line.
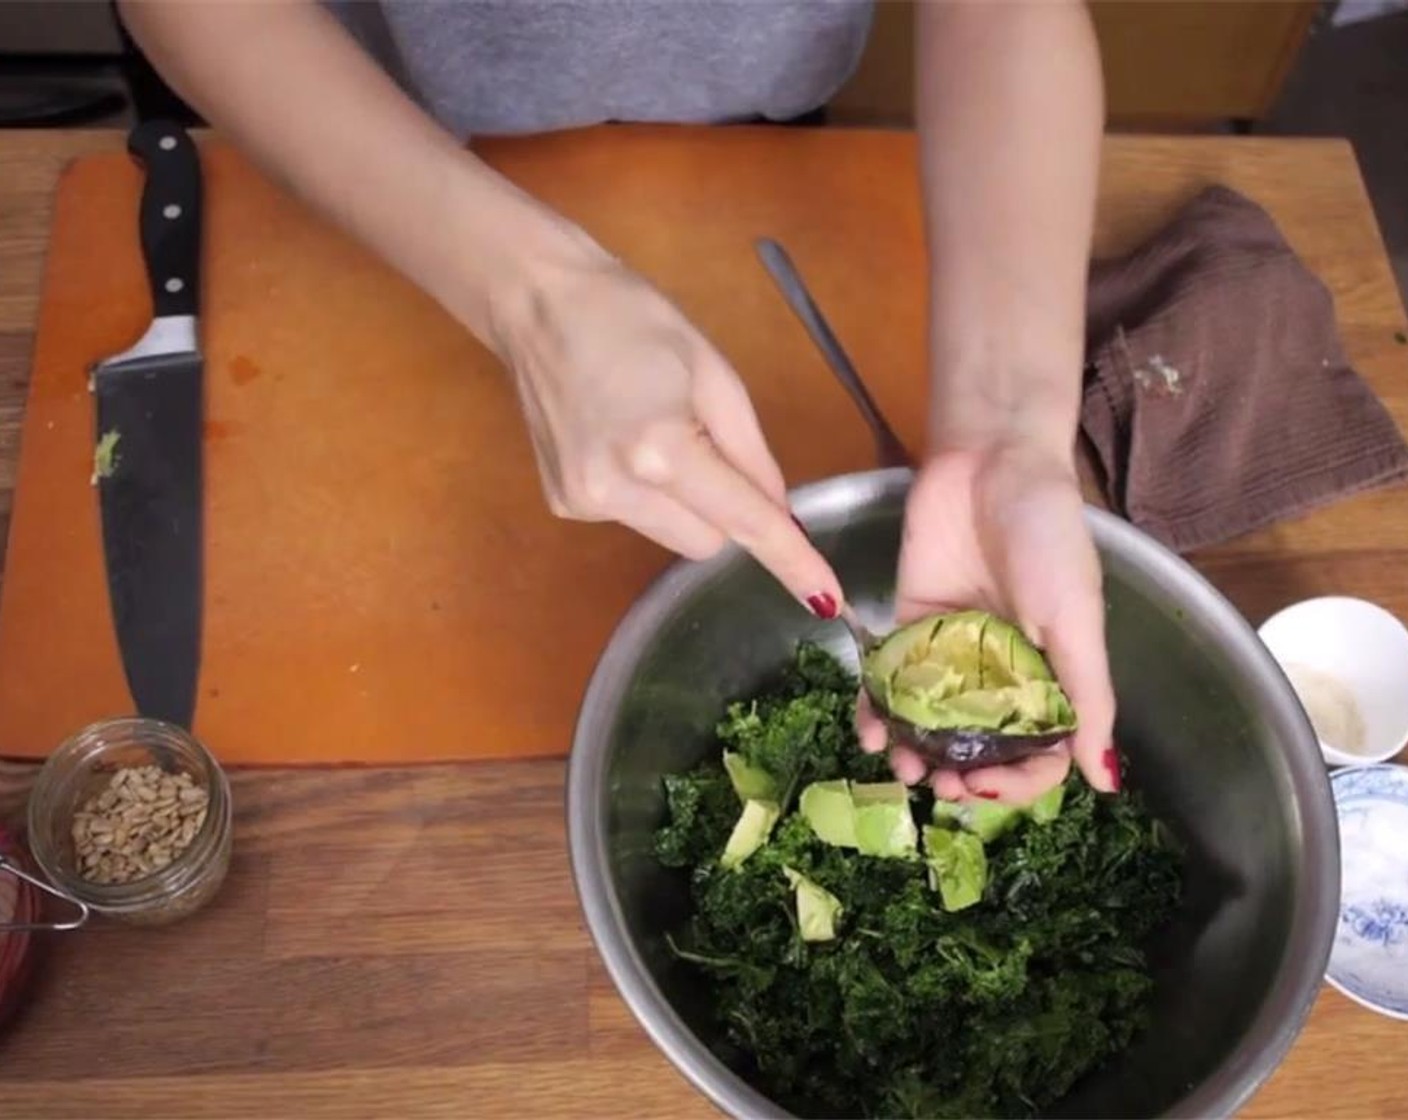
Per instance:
x=1001, y=406
x=504, y=251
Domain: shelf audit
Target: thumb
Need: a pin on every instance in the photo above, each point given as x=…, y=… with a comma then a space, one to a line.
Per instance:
x=1078, y=657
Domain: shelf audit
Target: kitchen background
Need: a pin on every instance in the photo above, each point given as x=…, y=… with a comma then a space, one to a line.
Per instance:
x=1270, y=66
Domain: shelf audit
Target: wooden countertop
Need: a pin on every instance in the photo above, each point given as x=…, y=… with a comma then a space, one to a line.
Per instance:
x=407, y=941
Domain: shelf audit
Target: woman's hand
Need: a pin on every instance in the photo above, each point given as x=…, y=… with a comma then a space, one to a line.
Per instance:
x=1003, y=530
x=636, y=418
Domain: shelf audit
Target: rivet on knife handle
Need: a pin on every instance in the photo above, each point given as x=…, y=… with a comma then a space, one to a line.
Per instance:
x=170, y=215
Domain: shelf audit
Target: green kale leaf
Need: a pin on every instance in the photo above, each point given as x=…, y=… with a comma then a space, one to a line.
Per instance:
x=911, y=1009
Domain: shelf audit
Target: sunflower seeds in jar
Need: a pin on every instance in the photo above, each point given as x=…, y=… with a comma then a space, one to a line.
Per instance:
x=133, y=817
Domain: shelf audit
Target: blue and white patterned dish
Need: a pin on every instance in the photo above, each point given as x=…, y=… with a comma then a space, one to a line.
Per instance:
x=1369, y=959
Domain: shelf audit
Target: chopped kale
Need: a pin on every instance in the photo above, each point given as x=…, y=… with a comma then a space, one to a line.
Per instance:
x=910, y=1009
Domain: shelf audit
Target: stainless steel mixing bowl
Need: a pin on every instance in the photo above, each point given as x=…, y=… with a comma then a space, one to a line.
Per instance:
x=1212, y=730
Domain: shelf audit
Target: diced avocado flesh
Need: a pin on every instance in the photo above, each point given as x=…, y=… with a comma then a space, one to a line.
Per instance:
x=884, y=821
x=987, y=820
x=817, y=908
x=969, y=670
x=750, y=782
x=880, y=793
x=874, y=818
x=984, y=819
x=105, y=455
x=750, y=832
x=828, y=808
x=1047, y=807
x=885, y=831
x=958, y=867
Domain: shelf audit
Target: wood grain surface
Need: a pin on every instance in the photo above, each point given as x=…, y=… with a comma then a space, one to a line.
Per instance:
x=405, y=941
x=373, y=510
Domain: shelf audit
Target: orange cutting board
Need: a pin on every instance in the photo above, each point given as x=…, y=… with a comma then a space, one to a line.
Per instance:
x=381, y=571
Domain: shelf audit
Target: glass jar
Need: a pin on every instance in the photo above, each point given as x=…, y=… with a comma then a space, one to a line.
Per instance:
x=81, y=769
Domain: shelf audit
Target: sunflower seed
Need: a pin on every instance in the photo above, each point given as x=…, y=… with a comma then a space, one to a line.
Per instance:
x=140, y=822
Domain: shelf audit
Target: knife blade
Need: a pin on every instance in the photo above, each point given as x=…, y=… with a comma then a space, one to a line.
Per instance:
x=147, y=458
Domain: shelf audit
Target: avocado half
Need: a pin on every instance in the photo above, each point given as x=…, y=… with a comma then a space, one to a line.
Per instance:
x=965, y=689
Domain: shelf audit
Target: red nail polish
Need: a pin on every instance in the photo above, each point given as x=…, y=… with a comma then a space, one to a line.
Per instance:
x=822, y=605
x=989, y=794
x=1112, y=767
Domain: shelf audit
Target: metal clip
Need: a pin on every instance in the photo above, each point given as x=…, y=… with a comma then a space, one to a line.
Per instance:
x=7, y=864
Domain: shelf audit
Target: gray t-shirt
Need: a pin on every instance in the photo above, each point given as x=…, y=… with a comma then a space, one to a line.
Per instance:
x=511, y=66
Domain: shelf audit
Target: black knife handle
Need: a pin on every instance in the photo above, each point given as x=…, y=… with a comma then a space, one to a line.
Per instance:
x=171, y=215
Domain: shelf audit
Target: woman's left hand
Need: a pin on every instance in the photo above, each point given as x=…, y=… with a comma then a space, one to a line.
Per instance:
x=1003, y=530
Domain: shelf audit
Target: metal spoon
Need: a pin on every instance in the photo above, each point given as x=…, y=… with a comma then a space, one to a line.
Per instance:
x=889, y=450
x=949, y=748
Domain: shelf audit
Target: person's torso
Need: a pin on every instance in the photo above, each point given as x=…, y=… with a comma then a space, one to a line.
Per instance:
x=510, y=66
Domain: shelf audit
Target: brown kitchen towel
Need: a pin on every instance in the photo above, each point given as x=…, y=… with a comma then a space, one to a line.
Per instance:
x=1218, y=398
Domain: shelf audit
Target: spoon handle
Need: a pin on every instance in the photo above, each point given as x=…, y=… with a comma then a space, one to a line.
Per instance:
x=865, y=641
x=888, y=447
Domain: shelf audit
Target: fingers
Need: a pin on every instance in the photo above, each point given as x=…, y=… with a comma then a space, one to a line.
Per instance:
x=722, y=404
x=669, y=524
x=869, y=730
x=1076, y=650
x=1020, y=783
x=907, y=766
x=683, y=463
x=948, y=786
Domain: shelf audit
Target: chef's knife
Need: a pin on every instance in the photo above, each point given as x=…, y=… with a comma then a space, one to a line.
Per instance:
x=147, y=459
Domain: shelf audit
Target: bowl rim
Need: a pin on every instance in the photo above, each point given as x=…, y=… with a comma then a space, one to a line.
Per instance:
x=1271, y=1032
x=1395, y=772
x=1286, y=617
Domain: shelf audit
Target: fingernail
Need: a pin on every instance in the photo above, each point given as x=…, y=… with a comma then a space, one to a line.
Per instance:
x=991, y=795
x=822, y=605
x=1112, y=767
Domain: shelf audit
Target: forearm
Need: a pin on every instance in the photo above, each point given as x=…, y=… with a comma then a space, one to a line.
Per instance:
x=286, y=83
x=1010, y=111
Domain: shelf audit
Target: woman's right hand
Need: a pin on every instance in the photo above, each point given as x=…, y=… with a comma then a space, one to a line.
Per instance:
x=636, y=418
